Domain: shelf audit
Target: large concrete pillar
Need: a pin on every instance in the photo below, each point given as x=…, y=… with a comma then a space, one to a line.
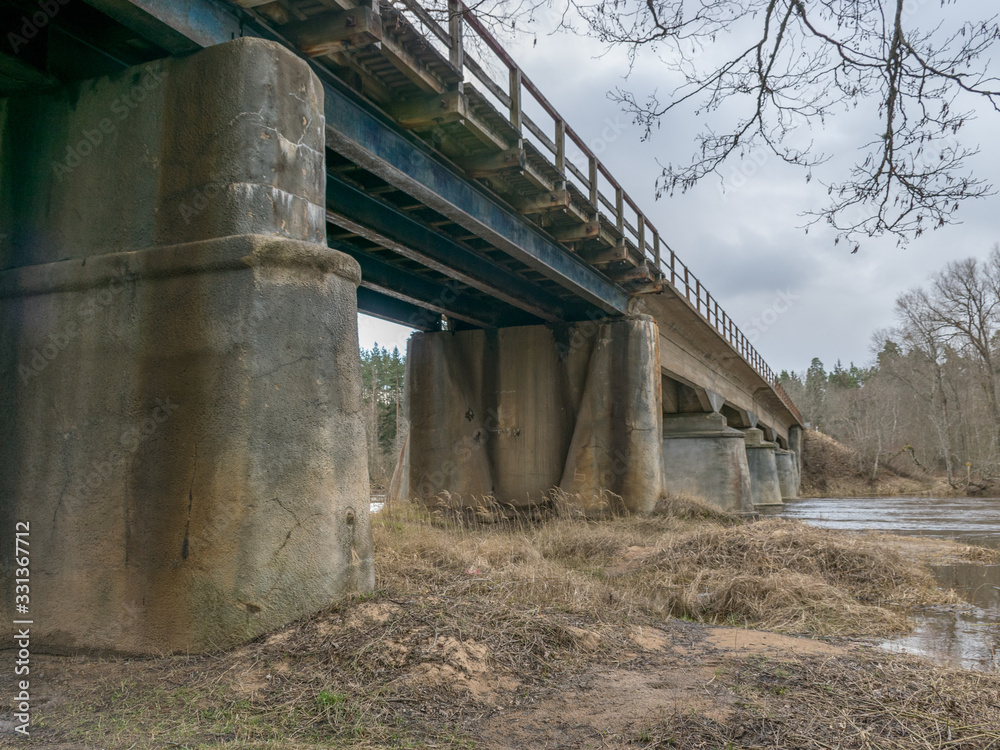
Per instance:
x=511, y=414
x=795, y=446
x=763, y=468
x=181, y=422
x=704, y=457
x=788, y=476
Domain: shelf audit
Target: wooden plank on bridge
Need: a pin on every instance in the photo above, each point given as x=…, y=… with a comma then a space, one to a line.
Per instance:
x=614, y=254
x=576, y=232
x=491, y=162
x=430, y=111
x=335, y=32
x=553, y=200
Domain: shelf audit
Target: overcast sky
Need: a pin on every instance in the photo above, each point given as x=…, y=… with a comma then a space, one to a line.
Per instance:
x=746, y=244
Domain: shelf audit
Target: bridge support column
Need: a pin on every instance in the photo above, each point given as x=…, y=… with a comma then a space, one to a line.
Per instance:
x=788, y=476
x=763, y=468
x=704, y=457
x=513, y=413
x=181, y=405
x=795, y=446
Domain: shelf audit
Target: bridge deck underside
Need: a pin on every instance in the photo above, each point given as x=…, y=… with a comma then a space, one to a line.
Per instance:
x=410, y=253
x=420, y=89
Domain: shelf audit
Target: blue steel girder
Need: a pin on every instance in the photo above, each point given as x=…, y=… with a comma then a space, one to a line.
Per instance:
x=443, y=299
x=374, y=303
x=350, y=208
x=178, y=26
x=409, y=165
x=360, y=133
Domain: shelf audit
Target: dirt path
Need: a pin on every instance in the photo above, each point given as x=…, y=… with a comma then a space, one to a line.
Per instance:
x=683, y=671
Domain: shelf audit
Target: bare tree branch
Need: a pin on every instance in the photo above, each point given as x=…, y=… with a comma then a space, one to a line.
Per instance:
x=797, y=62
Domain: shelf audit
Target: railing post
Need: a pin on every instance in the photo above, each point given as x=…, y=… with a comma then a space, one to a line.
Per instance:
x=656, y=249
x=620, y=210
x=456, y=54
x=595, y=196
x=673, y=270
x=515, y=98
x=561, y=147
x=641, y=235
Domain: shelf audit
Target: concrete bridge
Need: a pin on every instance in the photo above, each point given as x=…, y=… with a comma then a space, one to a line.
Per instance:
x=197, y=198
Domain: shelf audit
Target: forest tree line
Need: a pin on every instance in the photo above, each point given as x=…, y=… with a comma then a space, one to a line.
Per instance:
x=929, y=398
x=382, y=380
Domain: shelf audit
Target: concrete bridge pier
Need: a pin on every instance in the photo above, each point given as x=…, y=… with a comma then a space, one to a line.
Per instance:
x=704, y=457
x=180, y=401
x=788, y=475
x=795, y=446
x=764, y=478
x=511, y=414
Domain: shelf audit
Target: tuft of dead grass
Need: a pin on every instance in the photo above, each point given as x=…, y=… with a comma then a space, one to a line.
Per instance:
x=687, y=560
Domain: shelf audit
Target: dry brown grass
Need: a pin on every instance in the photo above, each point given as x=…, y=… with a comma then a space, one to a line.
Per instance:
x=861, y=701
x=475, y=612
x=831, y=469
x=774, y=574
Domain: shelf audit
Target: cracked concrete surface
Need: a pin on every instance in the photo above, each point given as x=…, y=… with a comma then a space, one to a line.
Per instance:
x=233, y=307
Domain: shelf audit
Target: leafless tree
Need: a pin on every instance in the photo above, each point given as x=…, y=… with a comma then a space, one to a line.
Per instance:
x=804, y=61
x=922, y=369
x=931, y=395
x=964, y=304
x=867, y=419
x=768, y=67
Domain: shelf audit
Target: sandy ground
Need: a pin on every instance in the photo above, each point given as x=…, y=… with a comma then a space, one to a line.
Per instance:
x=682, y=671
x=679, y=669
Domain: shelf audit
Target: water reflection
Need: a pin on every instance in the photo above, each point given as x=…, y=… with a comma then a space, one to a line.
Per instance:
x=966, y=636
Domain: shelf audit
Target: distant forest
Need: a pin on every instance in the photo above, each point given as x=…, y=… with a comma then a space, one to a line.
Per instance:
x=382, y=374
x=930, y=396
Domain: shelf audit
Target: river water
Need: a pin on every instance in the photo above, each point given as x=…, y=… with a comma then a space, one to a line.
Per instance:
x=964, y=636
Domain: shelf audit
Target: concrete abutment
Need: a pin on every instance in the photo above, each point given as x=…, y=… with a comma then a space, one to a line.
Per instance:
x=704, y=457
x=788, y=475
x=181, y=402
x=764, y=480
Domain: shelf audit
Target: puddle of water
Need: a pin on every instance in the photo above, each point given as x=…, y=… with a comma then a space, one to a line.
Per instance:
x=966, y=636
